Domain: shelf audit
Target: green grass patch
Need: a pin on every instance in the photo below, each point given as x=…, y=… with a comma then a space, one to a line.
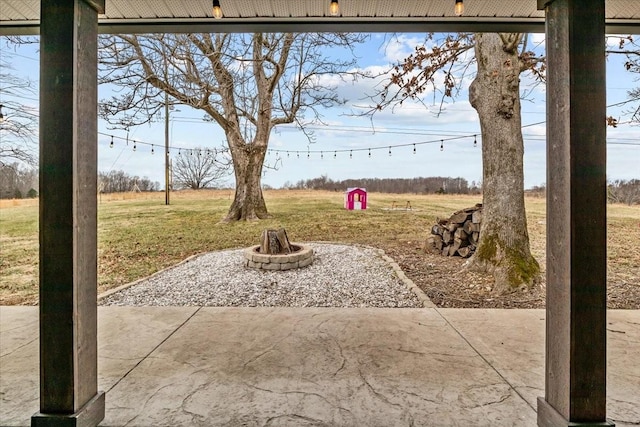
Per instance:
x=139, y=235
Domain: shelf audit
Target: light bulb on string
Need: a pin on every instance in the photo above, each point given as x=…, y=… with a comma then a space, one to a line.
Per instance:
x=459, y=8
x=297, y=155
x=441, y=145
x=475, y=141
x=321, y=155
x=217, y=10
x=334, y=8
x=369, y=152
x=179, y=152
x=152, y=149
x=287, y=154
x=335, y=154
x=134, y=145
x=111, y=143
x=351, y=154
x=414, y=148
x=308, y=155
x=389, y=150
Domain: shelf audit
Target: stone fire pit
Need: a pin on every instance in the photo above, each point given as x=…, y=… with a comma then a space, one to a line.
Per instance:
x=301, y=256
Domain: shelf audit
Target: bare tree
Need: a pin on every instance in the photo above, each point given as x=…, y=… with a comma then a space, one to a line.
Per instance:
x=630, y=48
x=622, y=191
x=18, y=181
x=118, y=181
x=19, y=122
x=246, y=83
x=200, y=168
x=495, y=94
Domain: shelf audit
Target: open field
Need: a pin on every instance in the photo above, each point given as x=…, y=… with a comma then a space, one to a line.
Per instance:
x=139, y=235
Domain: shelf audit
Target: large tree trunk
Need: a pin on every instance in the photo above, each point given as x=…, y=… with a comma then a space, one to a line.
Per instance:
x=248, y=202
x=495, y=94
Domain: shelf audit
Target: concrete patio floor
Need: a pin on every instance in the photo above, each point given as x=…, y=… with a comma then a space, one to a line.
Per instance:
x=193, y=366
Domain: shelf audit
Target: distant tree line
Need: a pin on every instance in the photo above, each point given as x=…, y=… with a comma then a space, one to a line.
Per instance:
x=120, y=182
x=623, y=191
x=618, y=191
x=18, y=181
x=537, y=191
x=430, y=185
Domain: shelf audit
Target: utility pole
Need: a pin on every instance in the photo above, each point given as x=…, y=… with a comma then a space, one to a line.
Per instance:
x=166, y=148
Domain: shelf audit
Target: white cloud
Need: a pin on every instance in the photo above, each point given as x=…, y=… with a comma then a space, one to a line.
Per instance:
x=399, y=47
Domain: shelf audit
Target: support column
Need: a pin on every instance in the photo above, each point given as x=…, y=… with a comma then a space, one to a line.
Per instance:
x=68, y=214
x=575, y=382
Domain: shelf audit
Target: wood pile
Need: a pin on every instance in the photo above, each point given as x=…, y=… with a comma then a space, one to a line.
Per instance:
x=457, y=235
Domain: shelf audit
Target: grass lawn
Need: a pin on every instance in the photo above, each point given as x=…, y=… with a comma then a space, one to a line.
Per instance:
x=139, y=235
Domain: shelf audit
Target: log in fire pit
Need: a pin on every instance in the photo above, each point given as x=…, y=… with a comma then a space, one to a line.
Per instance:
x=275, y=252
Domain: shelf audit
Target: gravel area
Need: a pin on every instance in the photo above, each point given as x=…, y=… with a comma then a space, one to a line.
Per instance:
x=340, y=276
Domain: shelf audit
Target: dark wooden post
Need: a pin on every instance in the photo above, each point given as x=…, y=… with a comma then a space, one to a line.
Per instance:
x=68, y=214
x=575, y=385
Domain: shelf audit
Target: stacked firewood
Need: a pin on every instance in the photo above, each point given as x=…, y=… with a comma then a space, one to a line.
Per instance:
x=457, y=235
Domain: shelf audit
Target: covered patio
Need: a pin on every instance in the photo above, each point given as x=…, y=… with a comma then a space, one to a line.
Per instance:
x=575, y=349
x=207, y=366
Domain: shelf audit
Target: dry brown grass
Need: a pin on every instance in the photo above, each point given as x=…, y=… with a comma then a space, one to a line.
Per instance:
x=139, y=235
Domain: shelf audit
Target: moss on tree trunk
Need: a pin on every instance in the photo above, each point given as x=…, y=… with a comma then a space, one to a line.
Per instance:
x=503, y=248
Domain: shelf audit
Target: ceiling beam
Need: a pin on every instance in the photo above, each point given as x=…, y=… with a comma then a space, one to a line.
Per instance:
x=364, y=25
x=247, y=25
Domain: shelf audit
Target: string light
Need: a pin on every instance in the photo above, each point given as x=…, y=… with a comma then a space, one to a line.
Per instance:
x=334, y=8
x=459, y=8
x=217, y=10
x=280, y=153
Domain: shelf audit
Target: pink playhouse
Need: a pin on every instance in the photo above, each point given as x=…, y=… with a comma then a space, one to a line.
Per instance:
x=355, y=199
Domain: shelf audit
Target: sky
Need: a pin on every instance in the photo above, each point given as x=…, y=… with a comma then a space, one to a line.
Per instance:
x=414, y=140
